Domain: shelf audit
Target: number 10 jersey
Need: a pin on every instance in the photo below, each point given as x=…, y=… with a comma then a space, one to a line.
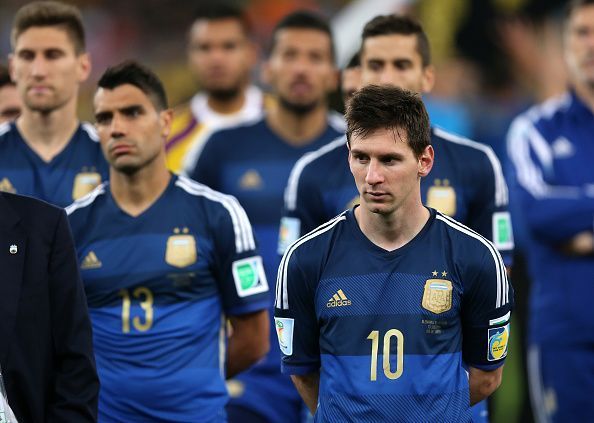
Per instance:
x=392, y=332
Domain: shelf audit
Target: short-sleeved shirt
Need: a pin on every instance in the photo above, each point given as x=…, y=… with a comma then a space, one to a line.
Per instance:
x=466, y=183
x=158, y=287
x=74, y=172
x=392, y=332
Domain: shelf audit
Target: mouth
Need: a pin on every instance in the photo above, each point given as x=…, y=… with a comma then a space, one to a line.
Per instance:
x=120, y=149
x=376, y=195
x=39, y=89
x=301, y=87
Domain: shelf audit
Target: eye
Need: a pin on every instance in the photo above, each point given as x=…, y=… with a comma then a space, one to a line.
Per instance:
x=103, y=119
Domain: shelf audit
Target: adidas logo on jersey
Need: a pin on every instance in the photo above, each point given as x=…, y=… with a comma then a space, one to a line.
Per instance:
x=90, y=261
x=338, y=300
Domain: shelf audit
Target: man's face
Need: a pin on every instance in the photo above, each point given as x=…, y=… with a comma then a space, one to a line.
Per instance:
x=220, y=56
x=131, y=130
x=46, y=68
x=579, y=45
x=394, y=60
x=386, y=171
x=10, y=103
x=350, y=82
x=301, y=69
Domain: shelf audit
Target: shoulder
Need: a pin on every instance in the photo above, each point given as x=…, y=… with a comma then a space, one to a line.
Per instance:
x=312, y=163
x=4, y=129
x=336, y=121
x=31, y=207
x=36, y=217
x=84, y=204
x=245, y=131
x=464, y=146
x=89, y=132
x=543, y=116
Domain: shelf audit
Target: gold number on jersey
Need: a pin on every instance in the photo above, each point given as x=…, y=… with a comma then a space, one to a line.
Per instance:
x=146, y=296
x=374, y=337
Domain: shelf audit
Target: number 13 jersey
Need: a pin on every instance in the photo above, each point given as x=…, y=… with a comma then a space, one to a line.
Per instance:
x=158, y=287
x=392, y=332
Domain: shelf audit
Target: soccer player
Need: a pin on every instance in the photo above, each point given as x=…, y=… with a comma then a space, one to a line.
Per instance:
x=47, y=153
x=221, y=57
x=551, y=180
x=252, y=162
x=164, y=260
x=10, y=102
x=466, y=182
x=392, y=311
x=350, y=78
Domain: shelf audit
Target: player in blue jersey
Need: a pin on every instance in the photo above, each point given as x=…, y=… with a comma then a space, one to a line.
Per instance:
x=253, y=162
x=552, y=182
x=47, y=153
x=466, y=182
x=392, y=311
x=164, y=260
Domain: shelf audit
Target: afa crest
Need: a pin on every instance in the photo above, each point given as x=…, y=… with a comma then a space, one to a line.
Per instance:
x=181, y=248
x=441, y=196
x=85, y=182
x=6, y=186
x=437, y=297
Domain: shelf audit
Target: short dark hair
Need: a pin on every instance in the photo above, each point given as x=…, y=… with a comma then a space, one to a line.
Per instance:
x=398, y=25
x=5, y=77
x=52, y=14
x=377, y=107
x=222, y=10
x=573, y=5
x=355, y=62
x=133, y=73
x=302, y=19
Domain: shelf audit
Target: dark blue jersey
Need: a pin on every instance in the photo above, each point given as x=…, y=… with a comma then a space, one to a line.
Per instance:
x=158, y=287
x=466, y=183
x=552, y=185
x=253, y=164
x=73, y=173
x=392, y=332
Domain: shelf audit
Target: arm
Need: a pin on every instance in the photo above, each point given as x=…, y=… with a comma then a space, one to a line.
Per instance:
x=75, y=378
x=249, y=341
x=553, y=212
x=308, y=387
x=483, y=383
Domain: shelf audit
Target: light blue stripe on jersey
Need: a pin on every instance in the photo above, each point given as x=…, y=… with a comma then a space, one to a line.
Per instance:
x=351, y=374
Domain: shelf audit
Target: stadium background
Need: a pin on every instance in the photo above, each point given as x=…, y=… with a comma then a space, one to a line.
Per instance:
x=493, y=59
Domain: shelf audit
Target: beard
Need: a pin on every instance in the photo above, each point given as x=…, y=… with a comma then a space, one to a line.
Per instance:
x=224, y=94
x=300, y=109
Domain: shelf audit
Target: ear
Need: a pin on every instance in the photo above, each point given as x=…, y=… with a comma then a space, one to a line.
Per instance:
x=428, y=79
x=84, y=66
x=166, y=119
x=425, y=163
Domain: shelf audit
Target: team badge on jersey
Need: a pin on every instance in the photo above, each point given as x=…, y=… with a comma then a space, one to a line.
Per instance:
x=437, y=297
x=249, y=276
x=251, y=180
x=181, y=248
x=85, y=182
x=284, y=332
x=6, y=186
x=498, y=338
x=442, y=197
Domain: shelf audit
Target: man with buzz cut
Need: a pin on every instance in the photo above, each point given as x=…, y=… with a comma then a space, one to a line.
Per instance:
x=392, y=311
x=47, y=153
x=165, y=262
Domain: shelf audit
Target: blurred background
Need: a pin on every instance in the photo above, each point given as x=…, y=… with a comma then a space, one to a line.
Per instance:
x=493, y=57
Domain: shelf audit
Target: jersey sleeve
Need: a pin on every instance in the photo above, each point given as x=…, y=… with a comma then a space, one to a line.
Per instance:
x=486, y=309
x=553, y=211
x=295, y=318
x=489, y=214
x=302, y=208
x=240, y=271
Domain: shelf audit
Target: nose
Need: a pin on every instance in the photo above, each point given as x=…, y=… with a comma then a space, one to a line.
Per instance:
x=117, y=127
x=39, y=66
x=374, y=175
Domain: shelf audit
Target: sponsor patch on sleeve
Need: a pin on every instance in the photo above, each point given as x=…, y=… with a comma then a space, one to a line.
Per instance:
x=498, y=340
x=249, y=276
x=503, y=237
x=290, y=227
x=284, y=332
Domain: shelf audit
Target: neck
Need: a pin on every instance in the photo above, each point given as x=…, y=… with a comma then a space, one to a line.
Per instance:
x=298, y=129
x=135, y=193
x=585, y=92
x=394, y=230
x=230, y=105
x=48, y=133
